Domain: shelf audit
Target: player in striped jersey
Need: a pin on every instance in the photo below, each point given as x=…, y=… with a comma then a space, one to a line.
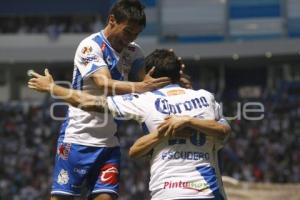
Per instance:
x=88, y=148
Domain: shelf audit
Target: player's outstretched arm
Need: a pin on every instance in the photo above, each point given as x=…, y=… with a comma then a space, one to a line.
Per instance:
x=76, y=98
x=108, y=86
x=175, y=124
x=144, y=144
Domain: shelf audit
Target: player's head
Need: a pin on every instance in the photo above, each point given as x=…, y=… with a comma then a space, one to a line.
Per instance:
x=166, y=64
x=126, y=20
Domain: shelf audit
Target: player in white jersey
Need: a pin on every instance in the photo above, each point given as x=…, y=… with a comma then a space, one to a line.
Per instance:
x=86, y=150
x=181, y=168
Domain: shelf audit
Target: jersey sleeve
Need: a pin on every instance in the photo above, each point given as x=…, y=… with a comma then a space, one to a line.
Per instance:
x=221, y=120
x=219, y=114
x=125, y=107
x=218, y=111
x=88, y=58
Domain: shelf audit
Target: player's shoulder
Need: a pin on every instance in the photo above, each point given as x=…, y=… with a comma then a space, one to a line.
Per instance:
x=205, y=93
x=170, y=90
x=88, y=46
x=134, y=97
x=91, y=40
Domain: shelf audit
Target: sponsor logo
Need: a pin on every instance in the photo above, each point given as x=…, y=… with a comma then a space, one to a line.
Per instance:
x=80, y=171
x=175, y=92
x=186, y=155
x=109, y=174
x=89, y=58
x=129, y=97
x=163, y=106
x=86, y=50
x=196, y=185
x=63, y=150
x=63, y=177
x=103, y=46
x=109, y=60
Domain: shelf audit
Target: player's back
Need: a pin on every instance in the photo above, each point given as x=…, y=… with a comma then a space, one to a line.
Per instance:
x=184, y=167
x=181, y=168
x=175, y=100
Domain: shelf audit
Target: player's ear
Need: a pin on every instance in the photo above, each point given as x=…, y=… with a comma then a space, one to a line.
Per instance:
x=112, y=20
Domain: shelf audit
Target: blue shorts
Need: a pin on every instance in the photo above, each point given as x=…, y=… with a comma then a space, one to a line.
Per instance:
x=77, y=164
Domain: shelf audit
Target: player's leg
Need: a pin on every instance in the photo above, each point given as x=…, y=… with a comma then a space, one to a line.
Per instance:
x=104, y=196
x=104, y=180
x=72, y=165
x=61, y=197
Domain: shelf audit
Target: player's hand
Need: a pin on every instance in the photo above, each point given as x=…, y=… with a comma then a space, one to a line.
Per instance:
x=174, y=126
x=149, y=83
x=160, y=135
x=184, y=133
x=185, y=81
x=41, y=83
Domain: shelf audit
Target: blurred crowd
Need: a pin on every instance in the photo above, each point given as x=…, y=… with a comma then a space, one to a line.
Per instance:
x=53, y=26
x=266, y=150
x=28, y=145
x=26, y=151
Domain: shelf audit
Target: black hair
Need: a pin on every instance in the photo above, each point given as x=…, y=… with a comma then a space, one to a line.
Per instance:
x=166, y=64
x=129, y=10
x=187, y=77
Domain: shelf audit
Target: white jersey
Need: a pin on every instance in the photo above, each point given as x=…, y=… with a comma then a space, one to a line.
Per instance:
x=181, y=168
x=94, y=53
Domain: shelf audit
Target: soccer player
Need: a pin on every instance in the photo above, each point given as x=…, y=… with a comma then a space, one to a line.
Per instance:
x=181, y=167
x=87, y=151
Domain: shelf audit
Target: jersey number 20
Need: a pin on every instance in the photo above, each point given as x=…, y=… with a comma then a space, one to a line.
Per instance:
x=197, y=139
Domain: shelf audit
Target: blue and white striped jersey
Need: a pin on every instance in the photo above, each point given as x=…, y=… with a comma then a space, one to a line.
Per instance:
x=92, y=54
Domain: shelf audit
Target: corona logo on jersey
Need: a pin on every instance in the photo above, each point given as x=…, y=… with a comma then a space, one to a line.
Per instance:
x=109, y=174
x=163, y=106
x=63, y=150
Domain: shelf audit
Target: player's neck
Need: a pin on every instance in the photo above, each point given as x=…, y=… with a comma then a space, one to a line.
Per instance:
x=106, y=32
